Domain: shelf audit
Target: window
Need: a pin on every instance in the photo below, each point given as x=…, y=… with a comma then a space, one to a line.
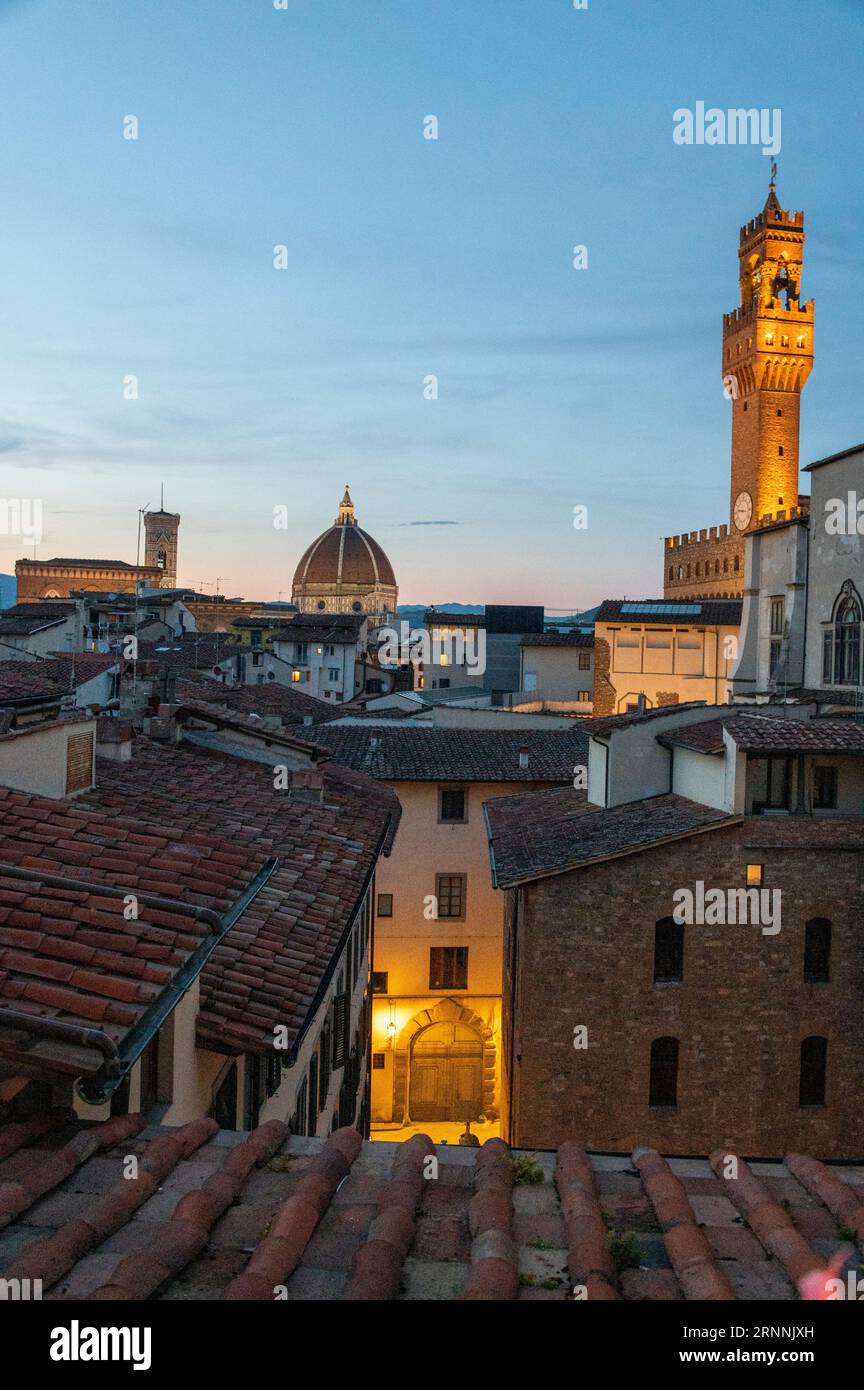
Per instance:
x=814, y=1059
x=256, y=658
x=530, y=680
x=584, y=661
x=450, y=890
x=299, y=1119
x=775, y=651
x=777, y=606
x=451, y=805
x=664, y=1072
x=255, y=637
x=333, y=673
x=273, y=1074
x=443, y=684
x=847, y=643
x=754, y=875
x=817, y=951
x=380, y=979
x=385, y=904
x=448, y=967
x=668, y=951
x=314, y=1106
x=301, y=652
x=824, y=789
x=771, y=781
x=378, y=1060
x=340, y=1027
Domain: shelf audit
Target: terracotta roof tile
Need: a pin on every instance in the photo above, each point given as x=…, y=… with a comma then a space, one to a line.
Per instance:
x=343, y=1220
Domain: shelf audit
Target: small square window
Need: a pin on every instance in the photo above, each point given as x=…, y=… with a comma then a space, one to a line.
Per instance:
x=452, y=805
x=385, y=904
x=378, y=1060
x=380, y=980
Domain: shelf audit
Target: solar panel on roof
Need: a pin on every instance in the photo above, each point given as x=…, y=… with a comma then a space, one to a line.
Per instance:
x=691, y=609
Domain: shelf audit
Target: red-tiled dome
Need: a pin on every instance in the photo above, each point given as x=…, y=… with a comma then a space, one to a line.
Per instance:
x=344, y=554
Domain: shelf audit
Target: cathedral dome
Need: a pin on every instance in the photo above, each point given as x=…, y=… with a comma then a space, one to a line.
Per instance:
x=345, y=570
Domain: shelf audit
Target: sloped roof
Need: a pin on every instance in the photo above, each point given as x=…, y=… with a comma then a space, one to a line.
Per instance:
x=421, y=753
x=229, y=1215
x=550, y=832
x=271, y=967
x=758, y=734
x=671, y=612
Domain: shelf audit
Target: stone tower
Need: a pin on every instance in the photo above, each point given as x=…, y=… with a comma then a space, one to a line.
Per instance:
x=767, y=357
x=160, y=544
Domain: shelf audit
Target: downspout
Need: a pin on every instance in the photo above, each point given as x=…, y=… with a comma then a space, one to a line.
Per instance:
x=98, y=1089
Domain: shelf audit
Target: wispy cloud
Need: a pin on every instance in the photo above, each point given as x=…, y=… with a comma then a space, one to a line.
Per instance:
x=429, y=523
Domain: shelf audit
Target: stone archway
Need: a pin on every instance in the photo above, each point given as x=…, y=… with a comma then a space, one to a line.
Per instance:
x=445, y=1011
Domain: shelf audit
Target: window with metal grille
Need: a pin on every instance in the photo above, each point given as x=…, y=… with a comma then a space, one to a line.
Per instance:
x=340, y=1030
x=448, y=967
x=817, y=951
x=663, y=1089
x=450, y=890
x=814, y=1062
x=668, y=951
x=452, y=805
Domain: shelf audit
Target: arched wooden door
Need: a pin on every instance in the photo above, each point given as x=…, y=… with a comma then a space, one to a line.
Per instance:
x=446, y=1077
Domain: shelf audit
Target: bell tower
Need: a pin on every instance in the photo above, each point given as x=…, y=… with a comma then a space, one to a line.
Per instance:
x=767, y=357
x=160, y=543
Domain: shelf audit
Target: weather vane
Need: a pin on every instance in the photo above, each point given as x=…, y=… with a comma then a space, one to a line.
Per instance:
x=773, y=172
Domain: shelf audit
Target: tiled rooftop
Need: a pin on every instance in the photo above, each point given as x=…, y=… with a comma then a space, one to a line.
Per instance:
x=552, y=831
x=70, y=954
x=56, y=675
x=671, y=612
x=289, y=705
x=426, y=754
x=757, y=734
x=558, y=639
x=604, y=724
x=215, y=1215
x=271, y=966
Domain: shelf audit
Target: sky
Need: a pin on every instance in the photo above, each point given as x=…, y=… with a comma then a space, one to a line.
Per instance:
x=405, y=258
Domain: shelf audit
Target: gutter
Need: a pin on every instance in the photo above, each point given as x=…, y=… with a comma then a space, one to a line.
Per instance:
x=98, y=1089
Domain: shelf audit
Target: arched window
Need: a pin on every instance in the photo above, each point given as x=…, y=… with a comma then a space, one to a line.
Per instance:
x=814, y=1059
x=843, y=641
x=817, y=951
x=668, y=951
x=664, y=1072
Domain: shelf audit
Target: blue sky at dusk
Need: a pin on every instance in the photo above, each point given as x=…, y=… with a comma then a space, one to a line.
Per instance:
x=406, y=257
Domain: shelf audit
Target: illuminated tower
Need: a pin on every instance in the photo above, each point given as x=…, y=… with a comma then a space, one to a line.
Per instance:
x=767, y=357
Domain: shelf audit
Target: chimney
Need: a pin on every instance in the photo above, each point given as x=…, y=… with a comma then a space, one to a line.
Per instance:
x=307, y=784
x=113, y=739
x=523, y=758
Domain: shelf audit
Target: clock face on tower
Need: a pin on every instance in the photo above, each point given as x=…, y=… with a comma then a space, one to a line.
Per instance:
x=743, y=510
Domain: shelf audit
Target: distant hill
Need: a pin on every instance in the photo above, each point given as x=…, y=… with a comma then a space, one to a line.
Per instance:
x=7, y=590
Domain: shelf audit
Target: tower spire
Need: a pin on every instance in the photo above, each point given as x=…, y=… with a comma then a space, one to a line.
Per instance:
x=346, y=510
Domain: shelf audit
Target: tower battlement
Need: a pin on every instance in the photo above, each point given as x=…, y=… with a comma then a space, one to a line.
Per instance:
x=776, y=217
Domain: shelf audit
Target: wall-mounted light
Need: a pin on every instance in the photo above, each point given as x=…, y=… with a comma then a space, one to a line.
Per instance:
x=754, y=875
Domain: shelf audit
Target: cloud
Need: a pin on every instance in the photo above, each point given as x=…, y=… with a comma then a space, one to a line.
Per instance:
x=429, y=523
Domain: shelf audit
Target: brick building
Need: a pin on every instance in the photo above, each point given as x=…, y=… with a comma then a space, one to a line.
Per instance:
x=699, y=1033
